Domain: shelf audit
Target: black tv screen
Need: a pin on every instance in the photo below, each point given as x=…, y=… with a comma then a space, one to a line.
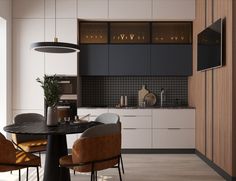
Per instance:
x=209, y=49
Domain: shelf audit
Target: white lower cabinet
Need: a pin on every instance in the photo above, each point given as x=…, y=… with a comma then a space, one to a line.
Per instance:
x=173, y=128
x=136, y=138
x=136, y=127
x=136, y=131
x=150, y=128
x=173, y=118
x=174, y=138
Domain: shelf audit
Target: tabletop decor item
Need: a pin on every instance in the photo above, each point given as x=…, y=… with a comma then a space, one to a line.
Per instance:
x=141, y=94
x=150, y=99
x=51, y=97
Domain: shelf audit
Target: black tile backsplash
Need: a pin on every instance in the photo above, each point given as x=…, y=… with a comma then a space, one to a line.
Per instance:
x=106, y=91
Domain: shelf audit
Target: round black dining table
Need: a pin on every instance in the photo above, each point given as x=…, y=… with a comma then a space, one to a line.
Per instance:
x=56, y=147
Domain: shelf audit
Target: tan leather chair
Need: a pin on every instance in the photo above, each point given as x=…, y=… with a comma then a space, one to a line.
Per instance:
x=13, y=159
x=98, y=148
x=30, y=143
x=111, y=118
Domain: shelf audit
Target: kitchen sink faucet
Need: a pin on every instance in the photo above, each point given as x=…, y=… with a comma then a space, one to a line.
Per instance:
x=162, y=96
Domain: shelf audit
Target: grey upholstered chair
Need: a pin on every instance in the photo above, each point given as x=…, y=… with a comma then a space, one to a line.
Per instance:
x=108, y=118
x=111, y=118
x=98, y=148
x=30, y=143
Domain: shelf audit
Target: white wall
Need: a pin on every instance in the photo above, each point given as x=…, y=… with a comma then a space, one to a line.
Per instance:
x=3, y=72
x=6, y=14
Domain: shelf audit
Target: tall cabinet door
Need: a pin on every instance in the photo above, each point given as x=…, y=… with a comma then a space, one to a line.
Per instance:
x=171, y=60
x=129, y=59
x=27, y=65
x=65, y=64
x=130, y=9
x=173, y=10
x=95, y=9
x=93, y=60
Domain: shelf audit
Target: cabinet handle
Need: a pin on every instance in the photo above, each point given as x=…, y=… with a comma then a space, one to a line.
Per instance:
x=129, y=116
x=130, y=128
x=64, y=82
x=174, y=128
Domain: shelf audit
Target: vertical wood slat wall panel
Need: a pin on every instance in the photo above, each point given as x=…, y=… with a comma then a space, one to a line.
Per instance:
x=223, y=96
x=221, y=122
x=234, y=90
x=209, y=91
x=216, y=144
x=199, y=96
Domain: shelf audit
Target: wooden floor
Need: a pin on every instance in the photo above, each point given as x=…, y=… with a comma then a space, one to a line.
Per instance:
x=144, y=167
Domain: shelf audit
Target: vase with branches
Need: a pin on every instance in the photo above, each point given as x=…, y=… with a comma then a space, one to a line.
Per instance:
x=51, y=97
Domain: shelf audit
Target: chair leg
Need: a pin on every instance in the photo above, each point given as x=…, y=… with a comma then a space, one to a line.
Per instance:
x=40, y=158
x=19, y=175
x=119, y=171
x=27, y=172
x=96, y=176
x=10, y=172
x=37, y=173
x=91, y=179
x=93, y=176
x=92, y=172
x=122, y=165
x=74, y=172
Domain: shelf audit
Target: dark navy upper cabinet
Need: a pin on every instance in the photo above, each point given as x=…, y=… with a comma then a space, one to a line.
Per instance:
x=171, y=59
x=135, y=48
x=93, y=60
x=129, y=59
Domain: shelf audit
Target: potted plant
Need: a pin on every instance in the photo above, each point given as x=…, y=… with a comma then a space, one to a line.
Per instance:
x=51, y=97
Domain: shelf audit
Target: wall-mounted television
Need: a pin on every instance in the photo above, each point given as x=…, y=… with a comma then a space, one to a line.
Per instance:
x=210, y=47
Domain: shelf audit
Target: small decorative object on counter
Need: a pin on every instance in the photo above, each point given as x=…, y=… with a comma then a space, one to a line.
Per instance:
x=150, y=99
x=51, y=97
x=121, y=101
x=126, y=101
x=141, y=94
x=143, y=104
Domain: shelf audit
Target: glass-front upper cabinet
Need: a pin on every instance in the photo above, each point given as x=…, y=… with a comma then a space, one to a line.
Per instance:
x=129, y=32
x=135, y=32
x=172, y=32
x=93, y=32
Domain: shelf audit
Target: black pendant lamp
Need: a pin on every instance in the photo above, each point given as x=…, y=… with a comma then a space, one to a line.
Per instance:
x=55, y=46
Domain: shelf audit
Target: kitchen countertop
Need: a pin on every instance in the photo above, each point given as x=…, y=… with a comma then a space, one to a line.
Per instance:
x=136, y=107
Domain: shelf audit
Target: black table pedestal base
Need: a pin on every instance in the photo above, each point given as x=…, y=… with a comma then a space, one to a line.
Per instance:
x=56, y=148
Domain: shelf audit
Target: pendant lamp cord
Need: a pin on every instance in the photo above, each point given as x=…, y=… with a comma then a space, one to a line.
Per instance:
x=55, y=18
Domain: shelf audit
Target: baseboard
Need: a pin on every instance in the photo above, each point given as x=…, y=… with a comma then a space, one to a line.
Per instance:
x=160, y=151
x=219, y=170
x=154, y=151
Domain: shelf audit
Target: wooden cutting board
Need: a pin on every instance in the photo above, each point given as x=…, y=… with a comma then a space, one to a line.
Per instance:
x=150, y=99
x=141, y=94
